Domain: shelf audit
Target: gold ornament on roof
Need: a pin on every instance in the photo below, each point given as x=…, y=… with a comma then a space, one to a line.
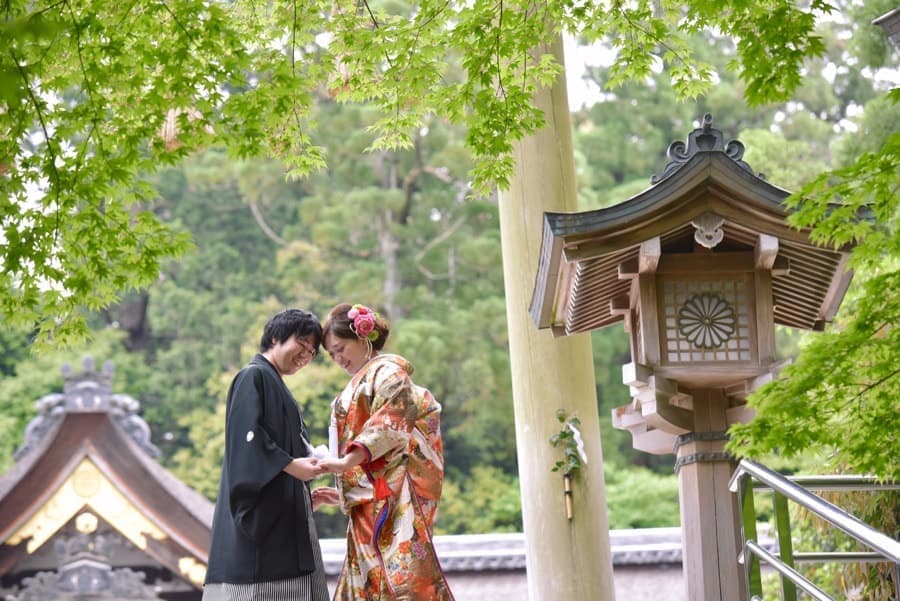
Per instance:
x=102, y=498
x=86, y=522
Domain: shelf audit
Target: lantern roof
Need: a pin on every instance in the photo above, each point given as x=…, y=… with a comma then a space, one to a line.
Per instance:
x=578, y=282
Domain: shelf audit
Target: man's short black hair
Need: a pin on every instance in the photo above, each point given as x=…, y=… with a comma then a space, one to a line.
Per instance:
x=288, y=324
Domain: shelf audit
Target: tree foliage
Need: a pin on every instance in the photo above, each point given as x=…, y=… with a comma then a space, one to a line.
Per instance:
x=841, y=393
x=128, y=127
x=640, y=498
x=487, y=501
x=98, y=94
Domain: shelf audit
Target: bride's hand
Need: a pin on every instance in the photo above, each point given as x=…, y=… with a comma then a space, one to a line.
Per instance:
x=332, y=465
x=325, y=495
x=347, y=462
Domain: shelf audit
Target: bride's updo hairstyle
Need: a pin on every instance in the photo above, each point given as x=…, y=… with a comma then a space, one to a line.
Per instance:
x=357, y=322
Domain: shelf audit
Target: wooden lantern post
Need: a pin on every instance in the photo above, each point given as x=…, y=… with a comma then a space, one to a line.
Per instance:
x=699, y=268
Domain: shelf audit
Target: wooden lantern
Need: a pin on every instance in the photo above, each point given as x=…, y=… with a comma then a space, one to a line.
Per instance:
x=700, y=267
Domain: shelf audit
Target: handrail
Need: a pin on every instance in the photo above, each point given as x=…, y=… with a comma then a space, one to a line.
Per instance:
x=808, y=587
x=836, y=482
x=837, y=556
x=851, y=525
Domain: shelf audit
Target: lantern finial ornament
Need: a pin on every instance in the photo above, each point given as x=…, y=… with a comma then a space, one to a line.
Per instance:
x=703, y=139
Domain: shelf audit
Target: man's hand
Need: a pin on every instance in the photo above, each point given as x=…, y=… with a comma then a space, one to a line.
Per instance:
x=304, y=468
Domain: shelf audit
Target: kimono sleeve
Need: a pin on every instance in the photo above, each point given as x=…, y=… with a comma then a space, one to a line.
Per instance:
x=392, y=416
x=252, y=458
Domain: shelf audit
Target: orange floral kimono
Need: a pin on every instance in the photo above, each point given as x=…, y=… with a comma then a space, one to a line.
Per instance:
x=392, y=497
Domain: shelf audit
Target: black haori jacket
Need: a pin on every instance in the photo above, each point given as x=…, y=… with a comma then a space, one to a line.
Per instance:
x=260, y=528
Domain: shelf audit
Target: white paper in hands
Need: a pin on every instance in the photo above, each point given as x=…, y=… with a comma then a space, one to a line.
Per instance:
x=321, y=452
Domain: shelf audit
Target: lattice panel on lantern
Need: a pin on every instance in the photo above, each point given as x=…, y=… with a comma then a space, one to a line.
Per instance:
x=707, y=320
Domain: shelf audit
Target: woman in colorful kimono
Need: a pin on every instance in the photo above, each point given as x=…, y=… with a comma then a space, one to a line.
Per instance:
x=388, y=457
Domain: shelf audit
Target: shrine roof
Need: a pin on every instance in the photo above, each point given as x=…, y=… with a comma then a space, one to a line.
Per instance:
x=581, y=252
x=87, y=450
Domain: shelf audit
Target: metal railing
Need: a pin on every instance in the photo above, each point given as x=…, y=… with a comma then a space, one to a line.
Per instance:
x=750, y=477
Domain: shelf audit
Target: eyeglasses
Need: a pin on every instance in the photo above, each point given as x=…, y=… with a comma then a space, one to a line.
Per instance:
x=308, y=350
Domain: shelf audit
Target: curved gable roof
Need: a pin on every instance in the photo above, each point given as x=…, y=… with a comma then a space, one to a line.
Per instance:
x=95, y=456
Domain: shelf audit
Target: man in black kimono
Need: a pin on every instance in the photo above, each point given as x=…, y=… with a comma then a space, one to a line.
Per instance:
x=264, y=542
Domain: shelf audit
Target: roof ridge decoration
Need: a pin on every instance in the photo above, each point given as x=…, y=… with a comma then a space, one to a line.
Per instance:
x=89, y=391
x=704, y=139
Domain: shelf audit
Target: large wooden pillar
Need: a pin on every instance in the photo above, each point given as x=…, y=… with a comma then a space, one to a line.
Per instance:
x=566, y=559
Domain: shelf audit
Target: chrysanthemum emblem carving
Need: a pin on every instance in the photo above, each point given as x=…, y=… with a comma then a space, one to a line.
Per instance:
x=706, y=320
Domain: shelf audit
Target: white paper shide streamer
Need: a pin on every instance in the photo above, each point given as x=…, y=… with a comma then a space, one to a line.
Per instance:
x=579, y=443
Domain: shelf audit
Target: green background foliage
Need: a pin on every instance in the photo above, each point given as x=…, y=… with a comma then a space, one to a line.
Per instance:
x=144, y=204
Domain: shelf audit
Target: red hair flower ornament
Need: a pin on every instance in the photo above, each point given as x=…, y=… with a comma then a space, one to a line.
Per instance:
x=362, y=322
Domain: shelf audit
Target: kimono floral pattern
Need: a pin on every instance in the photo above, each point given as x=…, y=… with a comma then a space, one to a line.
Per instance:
x=392, y=498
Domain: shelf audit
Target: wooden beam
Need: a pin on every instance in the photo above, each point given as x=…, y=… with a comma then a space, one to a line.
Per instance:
x=620, y=305
x=625, y=417
x=765, y=316
x=691, y=263
x=635, y=374
x=840, y=281
x=655, y=442
x=741, y=414
x=643, y=437
x=649, y=319
x=738, y=392
x=648, y=256
x=657, y=410
x=765, y=251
